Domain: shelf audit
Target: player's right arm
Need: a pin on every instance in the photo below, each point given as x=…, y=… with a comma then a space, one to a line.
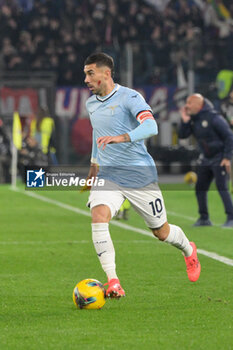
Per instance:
x=185, y=129
x=93, y=171
x=94, y=168
x=94, y=150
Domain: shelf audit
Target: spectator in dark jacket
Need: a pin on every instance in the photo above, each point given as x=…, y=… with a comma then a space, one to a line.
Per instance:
x=215, y=140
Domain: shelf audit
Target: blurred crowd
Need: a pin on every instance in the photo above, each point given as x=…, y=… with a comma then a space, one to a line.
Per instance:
x=37, y=143
x=58, y=35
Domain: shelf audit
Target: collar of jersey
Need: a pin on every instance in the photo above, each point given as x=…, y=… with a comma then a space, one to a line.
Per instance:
x=105, y=98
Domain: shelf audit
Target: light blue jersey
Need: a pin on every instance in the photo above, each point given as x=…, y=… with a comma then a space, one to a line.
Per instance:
x=127, y=164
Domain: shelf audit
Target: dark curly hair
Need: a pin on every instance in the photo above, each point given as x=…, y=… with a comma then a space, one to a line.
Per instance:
x=101, y=59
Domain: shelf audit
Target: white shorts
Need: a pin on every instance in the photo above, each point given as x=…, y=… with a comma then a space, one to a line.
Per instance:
x=147, y=201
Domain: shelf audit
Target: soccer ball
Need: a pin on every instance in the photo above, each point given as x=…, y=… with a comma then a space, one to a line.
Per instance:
x=190, y=178
x=89, y=294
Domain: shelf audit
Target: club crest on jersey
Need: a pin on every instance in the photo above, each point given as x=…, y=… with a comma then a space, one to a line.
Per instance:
x=204, y=123
x=113, y=108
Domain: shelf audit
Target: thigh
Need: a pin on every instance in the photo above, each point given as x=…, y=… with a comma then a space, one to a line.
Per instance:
x=149, y=203
x=112, y=198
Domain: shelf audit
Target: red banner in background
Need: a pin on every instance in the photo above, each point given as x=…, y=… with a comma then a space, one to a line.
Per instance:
x=71, y=102
x=81, y=136
x=25, y=101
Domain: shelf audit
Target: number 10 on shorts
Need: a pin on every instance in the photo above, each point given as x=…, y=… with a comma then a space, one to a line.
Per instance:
x=156, y=206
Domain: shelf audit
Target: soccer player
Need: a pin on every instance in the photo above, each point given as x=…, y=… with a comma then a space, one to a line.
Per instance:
x=121, y=120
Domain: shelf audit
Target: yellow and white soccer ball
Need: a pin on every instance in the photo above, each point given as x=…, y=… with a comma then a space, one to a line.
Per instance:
x=89, y=294
x=190, y=178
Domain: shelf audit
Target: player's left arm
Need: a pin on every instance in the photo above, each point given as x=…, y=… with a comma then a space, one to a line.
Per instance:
x=222, y=128
x=104, y=140
x=147, y=127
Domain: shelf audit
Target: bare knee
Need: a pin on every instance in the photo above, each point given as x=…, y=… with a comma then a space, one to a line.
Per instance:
x=100, y=213
x=161, y=232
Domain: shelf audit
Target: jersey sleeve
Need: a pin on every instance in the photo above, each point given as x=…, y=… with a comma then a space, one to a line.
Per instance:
x=147, y=129
x=137, y=105
x=140, y=110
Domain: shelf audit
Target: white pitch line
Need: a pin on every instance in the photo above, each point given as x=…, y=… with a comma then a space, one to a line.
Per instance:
x=83, y=212
x=217, y=257
x=66, y=242
x=41, y=242
x=189, y=218
x=211, y=255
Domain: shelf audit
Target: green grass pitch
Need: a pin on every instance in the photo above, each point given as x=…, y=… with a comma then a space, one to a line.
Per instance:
x=46, y=249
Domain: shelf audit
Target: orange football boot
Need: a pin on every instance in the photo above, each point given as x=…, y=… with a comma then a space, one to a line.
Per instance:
x=193, y=264
x=114, y=289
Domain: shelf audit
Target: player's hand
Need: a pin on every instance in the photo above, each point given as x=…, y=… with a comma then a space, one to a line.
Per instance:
x=184, y=116
x=227, y=164
x=93, y=171
x=105, y=140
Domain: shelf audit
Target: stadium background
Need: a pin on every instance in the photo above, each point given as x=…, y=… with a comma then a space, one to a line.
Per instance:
x=164, y=49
